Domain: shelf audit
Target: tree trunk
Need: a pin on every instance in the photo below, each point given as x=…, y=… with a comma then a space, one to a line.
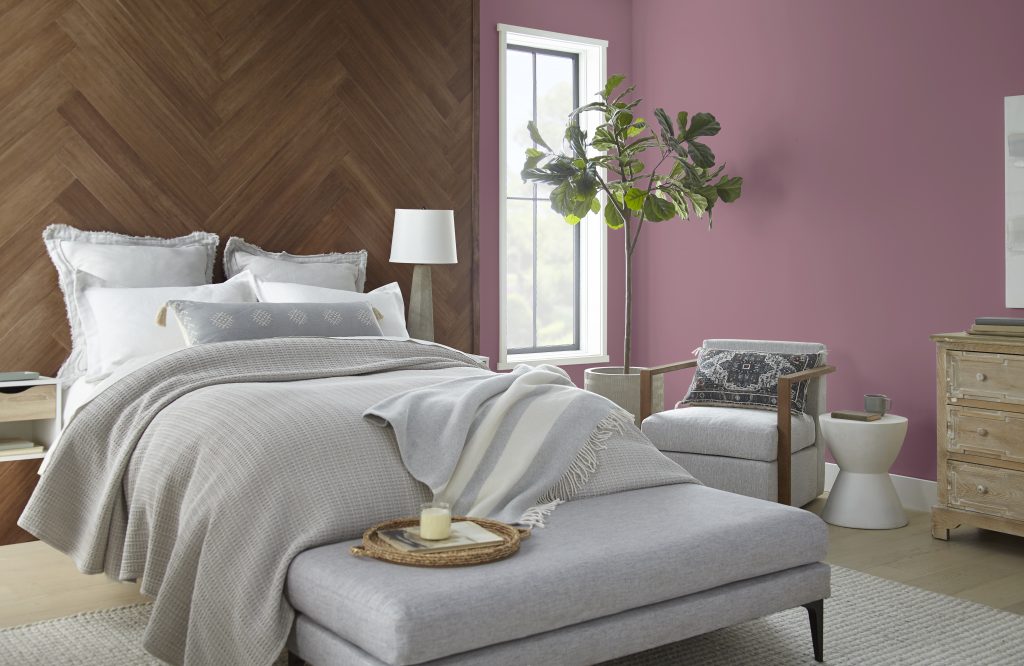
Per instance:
x=628, y=336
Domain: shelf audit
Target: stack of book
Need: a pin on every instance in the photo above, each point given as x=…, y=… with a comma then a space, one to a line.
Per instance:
x=17, y=447
x=465, y=535
x=1006, y=326
x=849, y=415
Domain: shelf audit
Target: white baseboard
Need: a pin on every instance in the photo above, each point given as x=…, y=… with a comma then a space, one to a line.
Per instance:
x=915, y=494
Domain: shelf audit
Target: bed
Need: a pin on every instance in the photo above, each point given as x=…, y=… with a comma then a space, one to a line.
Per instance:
x=228, y=477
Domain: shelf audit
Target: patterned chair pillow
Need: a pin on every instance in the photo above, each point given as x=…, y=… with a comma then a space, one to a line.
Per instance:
x=727, y=378
x=203, y=323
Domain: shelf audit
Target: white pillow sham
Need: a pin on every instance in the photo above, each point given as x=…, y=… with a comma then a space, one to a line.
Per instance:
x=119, y=324
x=334, y=270
x=122, y=261
x=387, y=300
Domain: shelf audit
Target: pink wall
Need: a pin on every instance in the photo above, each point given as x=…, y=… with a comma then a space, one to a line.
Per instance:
x=869, y=134
x=601, y=19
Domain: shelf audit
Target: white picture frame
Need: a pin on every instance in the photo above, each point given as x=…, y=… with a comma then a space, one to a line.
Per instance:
x=1013, y=157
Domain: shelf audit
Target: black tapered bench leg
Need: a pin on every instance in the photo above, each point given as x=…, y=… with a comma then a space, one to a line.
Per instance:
x=295, y=660
x=816, y=615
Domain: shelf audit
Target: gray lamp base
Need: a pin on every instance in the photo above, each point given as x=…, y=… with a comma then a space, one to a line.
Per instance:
x=421, y=304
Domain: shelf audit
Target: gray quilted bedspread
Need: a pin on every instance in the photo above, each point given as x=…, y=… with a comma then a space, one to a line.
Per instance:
x=204, y=473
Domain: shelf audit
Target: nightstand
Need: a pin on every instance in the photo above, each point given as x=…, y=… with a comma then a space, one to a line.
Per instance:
x=29, y=410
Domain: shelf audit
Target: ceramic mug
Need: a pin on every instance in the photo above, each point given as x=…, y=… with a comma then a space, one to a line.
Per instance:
x=876, y=403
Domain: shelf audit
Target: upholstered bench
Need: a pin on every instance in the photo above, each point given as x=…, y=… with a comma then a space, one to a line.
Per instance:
x=609, y=576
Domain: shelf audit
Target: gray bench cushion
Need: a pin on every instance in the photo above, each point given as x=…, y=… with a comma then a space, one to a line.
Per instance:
x=751, y=434
x=596, y=557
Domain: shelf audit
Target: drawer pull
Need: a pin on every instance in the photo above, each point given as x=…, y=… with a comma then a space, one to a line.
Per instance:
x=982, y=432
x=980, y=376
x=982, y=489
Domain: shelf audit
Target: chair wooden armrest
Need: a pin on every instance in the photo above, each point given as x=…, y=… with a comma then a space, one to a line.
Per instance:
x=784, y=456
x=647, y=382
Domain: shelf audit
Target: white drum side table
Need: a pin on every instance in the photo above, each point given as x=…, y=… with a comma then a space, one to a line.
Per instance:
x=863, y=495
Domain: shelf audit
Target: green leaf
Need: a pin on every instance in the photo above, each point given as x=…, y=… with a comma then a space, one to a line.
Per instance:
x=586, y=185
x=613, y=82
x=535, y=135
x=638, y=146
x=681, y=121
x=571, y=219
x=625, y=92
x=710, y=194
x=542, y=175
x=634, y=199
x=595, y=205
x=714, y=174
x=611, y=216
x=700, y=154
x=576, y=138
x=699, y=203
x=638, y=126
x=657, y=209
x=593, y=106
x=533, y=158
x=563, y=199
x=636, y=166
x=729, y=189
x=684, y=165
x=703, y=124
x=623, y=119
x=665, y=122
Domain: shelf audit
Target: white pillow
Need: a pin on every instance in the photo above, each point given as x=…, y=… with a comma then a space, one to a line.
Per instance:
x=119, y=323
x=122, y=261
x=387, y=300
x=333, y=276
x=334, y=270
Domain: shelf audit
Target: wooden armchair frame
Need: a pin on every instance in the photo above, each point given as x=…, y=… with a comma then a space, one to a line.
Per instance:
x=784, y=455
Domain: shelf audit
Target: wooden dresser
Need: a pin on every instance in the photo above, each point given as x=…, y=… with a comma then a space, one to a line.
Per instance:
x=980, y=419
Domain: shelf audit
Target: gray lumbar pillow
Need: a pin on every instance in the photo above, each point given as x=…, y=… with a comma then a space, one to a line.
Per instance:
x=203, y=323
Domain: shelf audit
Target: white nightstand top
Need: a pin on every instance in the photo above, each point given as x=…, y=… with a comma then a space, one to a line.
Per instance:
x=887, y=420
x=42, y=381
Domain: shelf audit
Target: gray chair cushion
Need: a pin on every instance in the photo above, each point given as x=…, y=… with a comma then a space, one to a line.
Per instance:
x=750, y=434
x=754, y=478
x=597, y=557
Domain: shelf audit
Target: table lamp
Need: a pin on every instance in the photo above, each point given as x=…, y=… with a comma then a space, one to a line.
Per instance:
x=422, y=237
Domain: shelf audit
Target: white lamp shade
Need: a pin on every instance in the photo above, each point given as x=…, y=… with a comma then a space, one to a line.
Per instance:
x=423, y=237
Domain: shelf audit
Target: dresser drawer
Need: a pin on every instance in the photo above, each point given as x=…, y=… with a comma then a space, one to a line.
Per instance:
x=991, y=490
x=35, y=402
x=985, y=432
x=981, y=376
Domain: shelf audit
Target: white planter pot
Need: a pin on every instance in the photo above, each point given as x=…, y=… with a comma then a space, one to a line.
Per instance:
x=624, y=390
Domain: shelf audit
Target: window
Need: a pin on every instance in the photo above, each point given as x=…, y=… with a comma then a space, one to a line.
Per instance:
x=553, y=287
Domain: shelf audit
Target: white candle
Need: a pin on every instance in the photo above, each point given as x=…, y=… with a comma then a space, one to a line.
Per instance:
x=435, y=522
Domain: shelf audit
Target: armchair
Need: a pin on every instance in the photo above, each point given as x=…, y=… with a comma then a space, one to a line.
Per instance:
x=742, y=450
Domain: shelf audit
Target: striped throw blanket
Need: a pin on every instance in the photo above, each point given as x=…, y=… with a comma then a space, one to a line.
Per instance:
x=510, y=446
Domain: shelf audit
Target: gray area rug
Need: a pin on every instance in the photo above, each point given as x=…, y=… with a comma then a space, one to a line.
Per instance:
x=868, y=621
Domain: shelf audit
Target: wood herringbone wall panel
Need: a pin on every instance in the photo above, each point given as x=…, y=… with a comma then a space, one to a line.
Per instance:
x=298, y=125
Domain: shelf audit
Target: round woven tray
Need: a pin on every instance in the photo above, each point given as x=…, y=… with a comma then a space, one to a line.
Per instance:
x=374, y=546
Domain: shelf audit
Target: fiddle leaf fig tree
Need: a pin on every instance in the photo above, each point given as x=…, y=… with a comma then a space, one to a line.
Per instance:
x=680, y=181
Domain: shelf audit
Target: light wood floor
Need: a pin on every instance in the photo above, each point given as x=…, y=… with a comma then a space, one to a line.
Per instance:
x=37, y=582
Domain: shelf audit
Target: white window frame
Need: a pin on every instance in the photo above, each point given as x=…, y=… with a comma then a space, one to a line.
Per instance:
x=593, y=302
